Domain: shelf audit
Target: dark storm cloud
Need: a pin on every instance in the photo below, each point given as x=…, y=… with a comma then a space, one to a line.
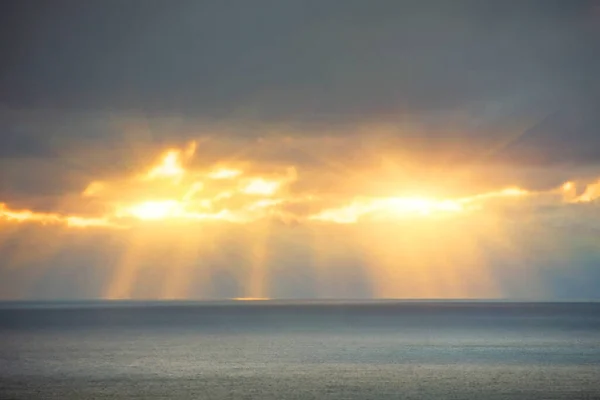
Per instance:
x=18, y=144
x=300, y=60
x=569, y=135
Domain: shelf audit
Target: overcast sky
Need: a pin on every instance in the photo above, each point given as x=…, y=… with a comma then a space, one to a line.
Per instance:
x=361, y=99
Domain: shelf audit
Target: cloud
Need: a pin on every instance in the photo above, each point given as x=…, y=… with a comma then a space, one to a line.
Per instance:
x=239, y=229
x=467, y=67
x=266, y=179
x=194, y=56
x=406, y=149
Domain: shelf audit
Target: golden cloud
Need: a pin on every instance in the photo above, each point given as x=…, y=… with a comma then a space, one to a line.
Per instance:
x=172, y=189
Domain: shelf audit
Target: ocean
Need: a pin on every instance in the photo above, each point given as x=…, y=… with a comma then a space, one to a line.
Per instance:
x=299, y=350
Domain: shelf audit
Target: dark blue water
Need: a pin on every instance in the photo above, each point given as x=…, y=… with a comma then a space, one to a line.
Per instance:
x=310, y=350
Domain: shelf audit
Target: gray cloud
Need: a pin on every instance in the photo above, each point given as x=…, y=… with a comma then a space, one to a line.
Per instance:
x=460, y=82
x=306, y=62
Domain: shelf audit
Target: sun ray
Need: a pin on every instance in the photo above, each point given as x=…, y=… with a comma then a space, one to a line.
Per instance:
x=258, y=281
x=415, y=245
x=127, y=267
x=183, y=261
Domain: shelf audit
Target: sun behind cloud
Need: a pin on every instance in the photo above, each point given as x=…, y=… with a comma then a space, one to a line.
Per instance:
x=411, y=245
x=172, y=189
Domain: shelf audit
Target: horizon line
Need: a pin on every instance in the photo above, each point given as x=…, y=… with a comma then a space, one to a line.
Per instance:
x=238, y=300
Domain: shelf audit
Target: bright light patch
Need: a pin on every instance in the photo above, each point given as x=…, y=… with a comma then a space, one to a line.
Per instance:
x=21, y=216
x=264, y=203
x=93, y=189
x=171, y=164
x=591, y=193
x=194, y=189
x=224, y=173
x=169, y=167
x=513, y=192
x=508, y=192
x=390, y=207
x=261, y=186
x=27, y=215
x=155, y=210
x=416, y=205
x=81, y=222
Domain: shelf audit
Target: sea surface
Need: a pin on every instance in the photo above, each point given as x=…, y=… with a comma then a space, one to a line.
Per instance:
x=299, y=350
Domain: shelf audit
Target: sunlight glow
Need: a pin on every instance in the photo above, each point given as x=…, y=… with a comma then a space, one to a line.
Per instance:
x=93, y=189
x=154, y=210
x=508, y=192
x=82, y=222
x=234, y=198
x=591, y=193
x=261, y=186
x=23, y=216
x=389, y=207
x=160, y=210
x=27, y=215
x=407, y=206
x=170, y=167
x=224, y=173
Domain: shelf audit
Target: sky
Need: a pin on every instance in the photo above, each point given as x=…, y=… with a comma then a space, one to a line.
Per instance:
x=152, y=149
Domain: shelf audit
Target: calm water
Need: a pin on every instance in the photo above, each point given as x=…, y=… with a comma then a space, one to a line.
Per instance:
x=300, y=351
